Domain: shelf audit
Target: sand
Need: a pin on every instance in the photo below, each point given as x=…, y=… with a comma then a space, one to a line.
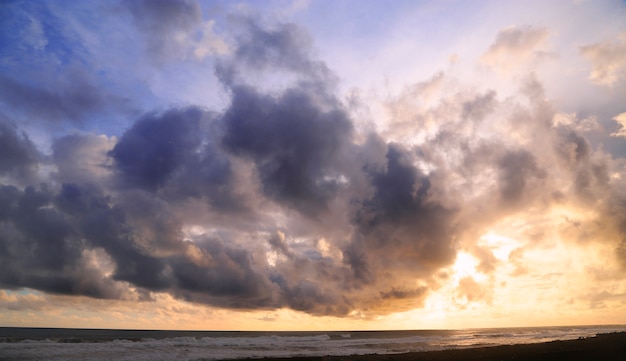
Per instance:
x=605, y=347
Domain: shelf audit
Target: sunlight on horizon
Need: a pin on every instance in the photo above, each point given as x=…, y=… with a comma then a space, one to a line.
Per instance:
x=312, y=165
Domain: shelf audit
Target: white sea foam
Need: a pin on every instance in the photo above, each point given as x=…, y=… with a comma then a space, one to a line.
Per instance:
x=221, y=346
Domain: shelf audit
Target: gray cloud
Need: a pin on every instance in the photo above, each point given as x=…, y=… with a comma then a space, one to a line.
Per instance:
x=82, y=158
x=518, y=170
x=283, y=51
x=401, y=229
x=175, y=29
x=292, y=141
x=40, y=248
x=18, y=155
x=165, y=15
x=176, y=154
x=275, y=201
x=71, y=97
x=155, y=146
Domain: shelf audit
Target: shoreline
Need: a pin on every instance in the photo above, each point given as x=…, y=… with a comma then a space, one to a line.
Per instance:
x=605, y=346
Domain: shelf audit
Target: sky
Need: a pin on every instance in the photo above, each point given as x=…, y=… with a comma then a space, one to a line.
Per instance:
x=312, y=165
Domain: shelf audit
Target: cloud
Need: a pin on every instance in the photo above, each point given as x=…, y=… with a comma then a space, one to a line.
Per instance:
x=401, y=230
x=73, y=96
x=471, y=291
x=175, y=29
x=292, y=141
x=283, y=198
x=608, y=60
x=589, y=124
x=621, y=120
x=296, y=141
x=278, y=53
x=18, y=156
x=156, y=145
x=177, y=155
x=516, y=46
x=82, y=158
x=123, y=197
x=516, y=170
x=296, y=136
x=42, y=250
x=230, y=278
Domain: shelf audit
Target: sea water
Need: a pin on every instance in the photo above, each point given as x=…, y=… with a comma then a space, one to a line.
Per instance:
x=96, y=345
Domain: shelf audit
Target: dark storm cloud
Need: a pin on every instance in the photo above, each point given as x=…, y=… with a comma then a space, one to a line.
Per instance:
x=127, y=201
x=155, y=146
x=356, y=257
x=224, y=275
x=400, y=226
x=310, y=296
x=400, y=190
x=323, y=288
x=294, y=137
x=44, y=237
x=18, y=155
x=175, y=155
x=333, y=224
x=40, y=248
x=399, y=236
x=105, y=225
x=292, y=141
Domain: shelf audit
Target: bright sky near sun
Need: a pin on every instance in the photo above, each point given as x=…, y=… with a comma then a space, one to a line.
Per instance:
x=312, y=165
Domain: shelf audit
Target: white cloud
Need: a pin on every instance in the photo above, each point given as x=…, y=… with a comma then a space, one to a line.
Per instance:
x=515, y=47
x=587, y=124
x=621, y=119
x=608, y=60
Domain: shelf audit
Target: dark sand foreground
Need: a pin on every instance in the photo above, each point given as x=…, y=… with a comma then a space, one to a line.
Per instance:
x=605, y=347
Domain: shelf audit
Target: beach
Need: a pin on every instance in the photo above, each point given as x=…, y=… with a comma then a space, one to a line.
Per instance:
x=606, y=347
x=535, y=343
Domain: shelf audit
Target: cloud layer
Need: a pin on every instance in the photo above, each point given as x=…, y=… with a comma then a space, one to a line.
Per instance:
x=285, y=198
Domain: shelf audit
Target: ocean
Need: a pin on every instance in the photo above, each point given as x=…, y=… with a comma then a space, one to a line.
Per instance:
x=97, y=345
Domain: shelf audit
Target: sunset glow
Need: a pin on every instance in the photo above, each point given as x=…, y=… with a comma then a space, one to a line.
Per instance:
x=312, y=165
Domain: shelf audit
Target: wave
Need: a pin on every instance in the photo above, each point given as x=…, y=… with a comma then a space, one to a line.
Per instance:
x=187, y=345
